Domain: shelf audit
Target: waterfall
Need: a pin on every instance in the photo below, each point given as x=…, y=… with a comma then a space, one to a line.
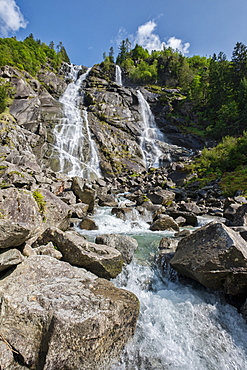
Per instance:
x=118, y=75
x=150, y=134
x=76, y=151
x=180, y=327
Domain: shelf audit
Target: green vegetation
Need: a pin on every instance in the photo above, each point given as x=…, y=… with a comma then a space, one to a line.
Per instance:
x=30, y=55
x=227, y=163
x=215, y=86
x=39, y=198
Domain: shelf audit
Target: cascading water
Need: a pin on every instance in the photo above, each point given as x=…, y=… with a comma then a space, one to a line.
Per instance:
x=150, y=134
x=77, y=154
x=180, y=327
x=118, y=75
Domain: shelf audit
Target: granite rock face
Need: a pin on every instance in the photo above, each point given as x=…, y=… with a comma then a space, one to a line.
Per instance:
x=56, y=316
x=216, y=257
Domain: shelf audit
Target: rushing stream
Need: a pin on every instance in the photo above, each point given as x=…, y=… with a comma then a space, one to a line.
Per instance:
x=181, y=327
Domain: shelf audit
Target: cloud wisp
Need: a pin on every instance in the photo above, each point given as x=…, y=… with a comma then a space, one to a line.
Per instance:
x=148, y=39
x=11, y=18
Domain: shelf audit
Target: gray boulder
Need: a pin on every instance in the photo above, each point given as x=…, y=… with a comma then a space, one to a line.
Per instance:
x=56, y=316
x=163, y=197
x=215, y=256
x=12, y=234
x=83, y=192
x=123, y=243
x=102, y=260
x=240, y=217
x=9, y=258
x=164, y=222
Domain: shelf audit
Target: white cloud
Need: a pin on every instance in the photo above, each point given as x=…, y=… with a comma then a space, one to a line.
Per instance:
x=11, y=18
x=177, y=44
x=148, y=39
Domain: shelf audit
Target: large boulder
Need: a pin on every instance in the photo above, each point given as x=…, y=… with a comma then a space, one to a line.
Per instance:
x=102, y=260
x=126, y=245
x=215, y=256
x=12, y=234
x=55, y=316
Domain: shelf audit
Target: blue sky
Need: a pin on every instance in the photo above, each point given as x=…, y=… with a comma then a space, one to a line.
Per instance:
x=89, y=28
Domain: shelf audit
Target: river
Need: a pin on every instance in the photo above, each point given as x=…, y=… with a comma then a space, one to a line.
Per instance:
x=181, y=326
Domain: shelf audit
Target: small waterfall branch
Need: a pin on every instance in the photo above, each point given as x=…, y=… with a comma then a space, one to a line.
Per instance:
x=150, y=135
x=119, y=76
x=76, y=151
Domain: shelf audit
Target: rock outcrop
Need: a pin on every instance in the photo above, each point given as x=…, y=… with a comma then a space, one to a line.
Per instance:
x=55, y=316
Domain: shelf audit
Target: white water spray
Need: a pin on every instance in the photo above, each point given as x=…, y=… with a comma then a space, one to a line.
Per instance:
x=77, y=152
x=180, y=327
x=150, y=134
x=119, y=76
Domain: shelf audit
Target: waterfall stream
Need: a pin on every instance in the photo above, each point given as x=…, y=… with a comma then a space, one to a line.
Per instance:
x=118, y=75
x=180, y=327
x=77, y=154
x=150, y=134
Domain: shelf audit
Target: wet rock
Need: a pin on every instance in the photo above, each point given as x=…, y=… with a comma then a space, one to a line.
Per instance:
x=168, y=243
x=58, y=316
x=88, y=224
x=123, y=213
x=164, y=222
x=102, y=260
x=126, y=245
x=9, y=258
x=107, y=200
x=215, y=256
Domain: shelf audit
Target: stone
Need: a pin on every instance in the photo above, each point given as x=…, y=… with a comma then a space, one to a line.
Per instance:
x=126, y=245
x=102, y=260
x=240, y=217
x=88, y=224
x=57, y=316
x=230, y=211
x=164, y=197
x=48, y=250
x=216, y=257
x=190, y=207
x=56, y=212
x=9, y=258
x=83, y=192
x=168, y=243
x=190, y=217
x=107, y=200
x=164, y=222
x=124, y=213
x=79, y=210
x=12, y=234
